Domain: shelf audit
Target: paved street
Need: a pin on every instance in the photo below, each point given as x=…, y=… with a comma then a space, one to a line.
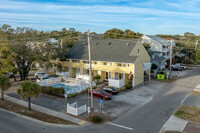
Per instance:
x=148, y=118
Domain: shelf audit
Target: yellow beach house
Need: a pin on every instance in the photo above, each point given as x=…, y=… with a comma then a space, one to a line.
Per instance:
x=119, y=62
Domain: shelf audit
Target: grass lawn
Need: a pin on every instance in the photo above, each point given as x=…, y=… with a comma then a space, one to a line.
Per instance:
x=7, y=105
x=189, y=113
x=197, y=93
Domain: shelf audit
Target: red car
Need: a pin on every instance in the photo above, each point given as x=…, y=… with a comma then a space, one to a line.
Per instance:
x=101, y=93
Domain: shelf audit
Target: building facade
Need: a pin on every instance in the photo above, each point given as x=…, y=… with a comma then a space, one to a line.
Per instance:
x=119, y=62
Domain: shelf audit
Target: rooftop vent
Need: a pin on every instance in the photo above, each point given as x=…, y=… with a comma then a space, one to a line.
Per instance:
x=83, y=43
x=127, y=44
x=109, y=44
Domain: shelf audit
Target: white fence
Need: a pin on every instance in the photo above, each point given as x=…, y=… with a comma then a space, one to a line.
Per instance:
x=79, y=81
x=63, y=74
x=46, y=82
x=116, y=83
x=77, y=88
x=83, y=77
x=73, y=109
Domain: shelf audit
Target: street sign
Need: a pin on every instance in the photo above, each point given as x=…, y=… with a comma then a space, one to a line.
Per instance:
x=101, y=101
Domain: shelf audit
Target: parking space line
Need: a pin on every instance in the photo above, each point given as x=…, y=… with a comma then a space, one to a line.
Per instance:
x=120, y=126
x=184, y=98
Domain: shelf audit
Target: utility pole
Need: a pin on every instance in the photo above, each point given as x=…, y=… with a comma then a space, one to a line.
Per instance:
x=171, y=41
x=61, y=44
x=196, y=45
x=90, y=71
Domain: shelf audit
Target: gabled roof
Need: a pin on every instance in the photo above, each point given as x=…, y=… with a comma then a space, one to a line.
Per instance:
x=159, y=40
x=113, y=50
x=159, y=59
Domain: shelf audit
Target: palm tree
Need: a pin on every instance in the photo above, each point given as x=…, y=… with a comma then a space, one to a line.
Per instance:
x=4, y=85
x=29, y=90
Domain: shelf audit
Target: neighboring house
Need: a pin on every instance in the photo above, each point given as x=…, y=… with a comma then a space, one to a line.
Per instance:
x=117, y=61
x=158, y=44
x=160, y=61
x=159, y=49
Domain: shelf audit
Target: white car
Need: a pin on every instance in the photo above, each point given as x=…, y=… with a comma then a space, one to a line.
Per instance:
x=41, y=74
x=41, y=78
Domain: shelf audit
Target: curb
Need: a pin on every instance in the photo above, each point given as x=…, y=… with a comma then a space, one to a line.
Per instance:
x=50, y=112
x=38, y=121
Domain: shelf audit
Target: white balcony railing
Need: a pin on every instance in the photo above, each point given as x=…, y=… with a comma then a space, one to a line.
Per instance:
x=116, y=83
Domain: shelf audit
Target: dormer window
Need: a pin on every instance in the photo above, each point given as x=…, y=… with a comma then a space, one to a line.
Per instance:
x=138, y=51
x=109, y=44
x=127, y=44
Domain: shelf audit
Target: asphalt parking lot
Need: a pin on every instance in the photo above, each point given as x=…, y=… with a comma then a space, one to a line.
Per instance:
x=114, y=107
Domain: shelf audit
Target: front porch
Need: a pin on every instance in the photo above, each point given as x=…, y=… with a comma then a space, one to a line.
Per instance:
x=114, y=78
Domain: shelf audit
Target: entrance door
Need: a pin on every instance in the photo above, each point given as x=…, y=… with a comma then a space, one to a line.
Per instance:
x=107, y=75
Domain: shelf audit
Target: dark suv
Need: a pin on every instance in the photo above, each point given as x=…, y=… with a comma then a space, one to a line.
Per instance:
x=111, y=90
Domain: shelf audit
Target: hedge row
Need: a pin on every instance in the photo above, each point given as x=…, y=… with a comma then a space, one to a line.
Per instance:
x=126, y=87
x=53, y=91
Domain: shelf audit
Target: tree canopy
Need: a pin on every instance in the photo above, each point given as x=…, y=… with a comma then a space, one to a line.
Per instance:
x=5, y=84
x=120, y=34
x=29, y=90
x=23, y=47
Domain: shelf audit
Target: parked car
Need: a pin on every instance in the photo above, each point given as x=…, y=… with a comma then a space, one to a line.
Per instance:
x=111, y=90
x=41, y=74
x=176, y=68
x=41, y=78
x=101, y=93
x=180, y=65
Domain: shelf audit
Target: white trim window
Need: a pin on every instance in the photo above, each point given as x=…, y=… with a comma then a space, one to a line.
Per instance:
x=138, y=51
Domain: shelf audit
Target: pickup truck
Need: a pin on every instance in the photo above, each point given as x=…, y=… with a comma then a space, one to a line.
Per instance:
x=180, y=65
x=176, y=68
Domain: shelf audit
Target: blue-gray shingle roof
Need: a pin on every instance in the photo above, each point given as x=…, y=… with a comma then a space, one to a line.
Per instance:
x=112, y=50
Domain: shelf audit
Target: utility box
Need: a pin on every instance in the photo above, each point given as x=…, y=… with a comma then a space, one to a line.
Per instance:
x=160, y=75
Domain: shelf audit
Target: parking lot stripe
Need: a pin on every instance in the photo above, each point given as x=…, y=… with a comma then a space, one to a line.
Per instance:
x=184, y=98
x=120, y=126
x=81, y=123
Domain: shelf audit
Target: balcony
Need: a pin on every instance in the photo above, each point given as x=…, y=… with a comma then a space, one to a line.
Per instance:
x=116, y=83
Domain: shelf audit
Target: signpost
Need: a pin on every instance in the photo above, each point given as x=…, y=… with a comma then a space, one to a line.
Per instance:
x=101, y=104
x=66, y=98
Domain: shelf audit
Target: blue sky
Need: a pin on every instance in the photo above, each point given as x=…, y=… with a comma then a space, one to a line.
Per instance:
x=145, y=16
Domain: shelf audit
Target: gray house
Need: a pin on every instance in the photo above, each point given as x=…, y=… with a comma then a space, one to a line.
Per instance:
x=159, y=49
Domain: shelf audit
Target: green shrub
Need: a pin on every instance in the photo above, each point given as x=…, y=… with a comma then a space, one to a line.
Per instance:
x=58, y=91
x=97, y=78
x=72, y=95
x=96, y=119
x=53, y=91
x=123, y=88
x=179, y=113
x=49, y=90
x=84, y=91
x=128, y=86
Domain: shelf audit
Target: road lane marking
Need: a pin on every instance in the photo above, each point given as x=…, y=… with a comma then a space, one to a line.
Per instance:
x=184, y=98
x=81, y=123
x=120, y=126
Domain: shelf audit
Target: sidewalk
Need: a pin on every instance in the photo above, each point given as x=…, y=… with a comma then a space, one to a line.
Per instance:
x=48, y=111
x=174, y=124
x=180, y=125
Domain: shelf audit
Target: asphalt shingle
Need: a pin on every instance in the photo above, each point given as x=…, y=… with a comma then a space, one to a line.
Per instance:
x=113, y=50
